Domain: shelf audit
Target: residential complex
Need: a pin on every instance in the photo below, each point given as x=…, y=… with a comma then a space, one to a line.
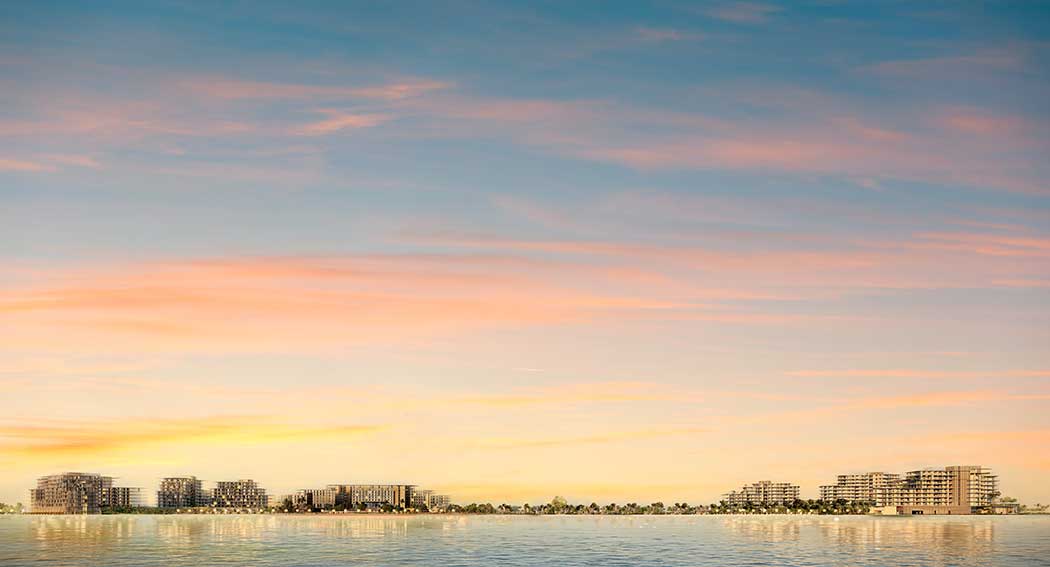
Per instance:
x=182, y=492
x=429, y=500
x=372, y=496
x=126, y=497
x=315, y=498
x=763, y=492
x=948, y=490
x=80, y=493
x=243, y=493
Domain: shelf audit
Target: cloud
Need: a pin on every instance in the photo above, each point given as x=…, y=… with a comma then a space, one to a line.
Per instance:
x=48, y=163
x=664, y=34
x=341, y=121
x=20, y=165
x=744, y=12
x=301, y=301
x=598, y=392
x=233, y=89
x=919, y=374
x=56, y=439
x=604, y=438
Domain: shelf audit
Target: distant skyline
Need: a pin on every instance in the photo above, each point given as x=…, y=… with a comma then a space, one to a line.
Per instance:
x=607, y=251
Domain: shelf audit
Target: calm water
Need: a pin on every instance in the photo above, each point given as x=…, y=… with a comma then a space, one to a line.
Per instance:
x=483, y=541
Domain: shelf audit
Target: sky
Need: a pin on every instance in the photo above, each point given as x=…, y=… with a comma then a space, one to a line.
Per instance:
x=610, y=251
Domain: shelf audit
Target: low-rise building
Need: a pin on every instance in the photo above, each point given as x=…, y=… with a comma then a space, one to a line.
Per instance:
x=314, y=498
x=429, y=500
x=373, y=495
x=763, y=492
x=949, y=490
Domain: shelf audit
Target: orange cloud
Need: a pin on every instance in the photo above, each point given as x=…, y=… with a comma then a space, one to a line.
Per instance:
x=87, y=438
x=305, y=300
x=615, y=437
x=919, y=374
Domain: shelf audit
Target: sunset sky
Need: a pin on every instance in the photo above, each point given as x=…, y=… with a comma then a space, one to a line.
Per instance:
x=609, y=251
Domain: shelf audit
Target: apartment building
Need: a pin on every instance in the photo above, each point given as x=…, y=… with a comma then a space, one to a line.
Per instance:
x=70, y=493
x=126, y=497
x=80, y=493
x=429, y=500
x=319, y=498
x=878, y=488
x=373, y=495
x=182, y=492
x=763, y=492
x=243, y=493
x=960, y=489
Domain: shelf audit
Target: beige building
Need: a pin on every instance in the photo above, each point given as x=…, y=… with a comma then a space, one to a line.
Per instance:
x=320, y=498
x=126, y=497
x=373, y=495
x=763, y=492
x=948, y=490
x=70, y=493
x=244, y=493
x=80, y=493
x=429, y=500
x=182, y=492
x=878, y=488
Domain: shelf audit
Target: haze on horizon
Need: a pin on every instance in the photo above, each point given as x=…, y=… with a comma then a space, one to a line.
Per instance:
x=609, y=251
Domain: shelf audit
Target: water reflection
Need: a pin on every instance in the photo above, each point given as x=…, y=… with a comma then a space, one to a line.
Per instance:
x=475, y=541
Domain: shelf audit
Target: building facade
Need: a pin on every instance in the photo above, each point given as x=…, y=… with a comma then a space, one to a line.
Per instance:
x=182, y=492
x=763, y=492
x=71, y=493
x=314, y=498
x=429, y=500
x=373, y=495
x=244, y=493
x=949, y=490
x=125, y=497
x=877, y=488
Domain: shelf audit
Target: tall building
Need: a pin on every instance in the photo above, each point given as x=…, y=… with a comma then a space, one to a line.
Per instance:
x=948, y=490
x=763, y=492
x=373, y=495
x=181, y=492
x=244, y=493
x=71, y=493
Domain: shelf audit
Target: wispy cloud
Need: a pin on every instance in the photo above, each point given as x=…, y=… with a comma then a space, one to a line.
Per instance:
x=338, y=120
x=92, y=438
x=744, y=12
x=614, y=437
x=919, y=374
x=235, y=89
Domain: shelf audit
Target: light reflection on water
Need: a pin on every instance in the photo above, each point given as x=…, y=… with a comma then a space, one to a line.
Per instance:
x=477, y=540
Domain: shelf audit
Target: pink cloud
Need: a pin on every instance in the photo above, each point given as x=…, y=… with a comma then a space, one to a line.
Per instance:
x=21, y=165
x=744, y=12
x=232, y=89
x=341, y=121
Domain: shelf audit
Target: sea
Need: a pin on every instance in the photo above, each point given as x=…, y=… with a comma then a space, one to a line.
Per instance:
x=470, y=541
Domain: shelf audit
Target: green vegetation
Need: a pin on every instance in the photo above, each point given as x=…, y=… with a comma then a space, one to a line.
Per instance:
x=12, y=508
x=559, y=506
